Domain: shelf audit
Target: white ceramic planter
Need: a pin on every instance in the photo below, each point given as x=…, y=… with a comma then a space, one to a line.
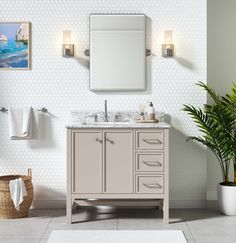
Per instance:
x=227, y=199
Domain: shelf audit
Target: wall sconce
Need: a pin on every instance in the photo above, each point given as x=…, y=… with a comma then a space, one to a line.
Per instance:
x=168, y=47
x=67, y=47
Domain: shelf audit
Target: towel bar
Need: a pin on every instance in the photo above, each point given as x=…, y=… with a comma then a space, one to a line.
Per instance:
x=42, y=109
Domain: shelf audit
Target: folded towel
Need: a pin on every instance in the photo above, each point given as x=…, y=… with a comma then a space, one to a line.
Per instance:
x=23, y=123
x=35, y=124
x=26, y=122
x=17, y=191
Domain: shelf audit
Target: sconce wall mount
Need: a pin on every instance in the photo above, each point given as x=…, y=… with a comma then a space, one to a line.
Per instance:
x=167, y=50
x=67, y=50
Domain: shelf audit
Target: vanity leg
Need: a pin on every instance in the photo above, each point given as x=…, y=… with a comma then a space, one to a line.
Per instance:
x=69, y=206
x=165, y=211
x=160, y=206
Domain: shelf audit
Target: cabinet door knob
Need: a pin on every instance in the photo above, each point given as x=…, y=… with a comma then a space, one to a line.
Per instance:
x=98, y=140
x=109, y=140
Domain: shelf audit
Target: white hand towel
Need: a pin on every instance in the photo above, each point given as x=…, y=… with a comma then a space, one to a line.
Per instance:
x=27, y=122
x=17, y=191
x=15, y=117
x=23, y=123
x=35, y=124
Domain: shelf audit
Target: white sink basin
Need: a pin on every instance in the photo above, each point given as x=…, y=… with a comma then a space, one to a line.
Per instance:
x=107, y=123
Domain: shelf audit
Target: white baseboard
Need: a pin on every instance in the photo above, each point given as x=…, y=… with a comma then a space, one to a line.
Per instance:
x=49, y=204
x=188, y=204
x=212, y=204
x=173, y=204
x=212, y=195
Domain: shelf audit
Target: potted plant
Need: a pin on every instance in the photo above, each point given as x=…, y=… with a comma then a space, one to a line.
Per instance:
x=217, y=124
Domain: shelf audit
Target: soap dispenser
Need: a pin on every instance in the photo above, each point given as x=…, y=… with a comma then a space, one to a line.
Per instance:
x=150, y=111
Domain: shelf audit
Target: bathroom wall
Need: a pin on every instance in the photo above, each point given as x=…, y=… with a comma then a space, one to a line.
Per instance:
x=62, y=85
x=221, y=72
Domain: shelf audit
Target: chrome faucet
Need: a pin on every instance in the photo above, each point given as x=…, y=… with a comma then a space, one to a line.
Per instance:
x=105, y=114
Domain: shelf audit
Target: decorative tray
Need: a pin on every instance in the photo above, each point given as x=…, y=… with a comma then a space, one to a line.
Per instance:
x=147, y=121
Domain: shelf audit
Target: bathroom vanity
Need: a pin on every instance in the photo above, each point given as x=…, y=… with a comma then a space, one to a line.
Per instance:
x=118, y=161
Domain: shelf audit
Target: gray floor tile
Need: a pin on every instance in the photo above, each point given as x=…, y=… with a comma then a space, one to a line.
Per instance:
x=144, y=215
x=44, y=240
x=24, y=228
x=212, y=239
x=17, y=240
x=40, y=214
x=199, y=214
x=83, y=219
x=198, y=225
x=151, y=219
x=210, y=226
x=191, y=241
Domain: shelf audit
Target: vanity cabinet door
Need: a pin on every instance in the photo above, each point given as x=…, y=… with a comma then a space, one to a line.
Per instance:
x=118, y=162
x=87, y=162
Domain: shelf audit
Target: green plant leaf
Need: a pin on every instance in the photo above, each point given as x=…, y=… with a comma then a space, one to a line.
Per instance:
x=217, y=124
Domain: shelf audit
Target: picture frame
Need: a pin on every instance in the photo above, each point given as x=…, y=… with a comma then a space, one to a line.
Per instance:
x=15, y=45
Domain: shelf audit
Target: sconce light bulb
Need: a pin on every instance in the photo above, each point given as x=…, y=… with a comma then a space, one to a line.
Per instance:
x=168, y=42
x=67, y=41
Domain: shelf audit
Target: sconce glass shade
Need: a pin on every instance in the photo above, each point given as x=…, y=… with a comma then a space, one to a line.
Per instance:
x=168, y=37
x=67, y=47
x=66, y=37
x=168, y=47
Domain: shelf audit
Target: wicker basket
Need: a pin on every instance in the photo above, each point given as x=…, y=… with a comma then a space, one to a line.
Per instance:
x=7, y=208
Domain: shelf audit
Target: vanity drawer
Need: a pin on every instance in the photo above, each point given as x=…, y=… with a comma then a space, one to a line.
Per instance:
x=150, y=184
x=150, y=139
x=150, y=162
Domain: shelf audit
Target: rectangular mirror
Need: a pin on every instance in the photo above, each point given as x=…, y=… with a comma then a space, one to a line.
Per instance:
x=117, y=52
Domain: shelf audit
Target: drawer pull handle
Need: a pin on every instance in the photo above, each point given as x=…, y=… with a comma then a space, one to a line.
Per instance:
x=153, y=186
x=152, y=163
x=152, y=141
x=98, y=140
x=109, y=140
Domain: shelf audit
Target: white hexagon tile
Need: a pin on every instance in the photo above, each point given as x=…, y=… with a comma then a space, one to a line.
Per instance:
x=62, y=85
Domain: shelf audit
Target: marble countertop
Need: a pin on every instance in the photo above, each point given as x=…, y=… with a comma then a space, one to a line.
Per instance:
x=118, y=125
x=117, y=119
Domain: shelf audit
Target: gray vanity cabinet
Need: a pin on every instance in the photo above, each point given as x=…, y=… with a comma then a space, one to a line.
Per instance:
x=110, y=164
x=87, y=162
x=117, y=157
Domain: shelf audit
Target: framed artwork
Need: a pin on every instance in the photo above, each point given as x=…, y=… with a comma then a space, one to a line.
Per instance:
x=14, y=45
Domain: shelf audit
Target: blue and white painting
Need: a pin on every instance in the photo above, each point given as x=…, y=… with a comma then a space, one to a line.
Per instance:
x=14, y=45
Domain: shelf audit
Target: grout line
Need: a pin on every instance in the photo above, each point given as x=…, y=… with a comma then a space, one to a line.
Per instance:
x=187, y=225
x=53, y=213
